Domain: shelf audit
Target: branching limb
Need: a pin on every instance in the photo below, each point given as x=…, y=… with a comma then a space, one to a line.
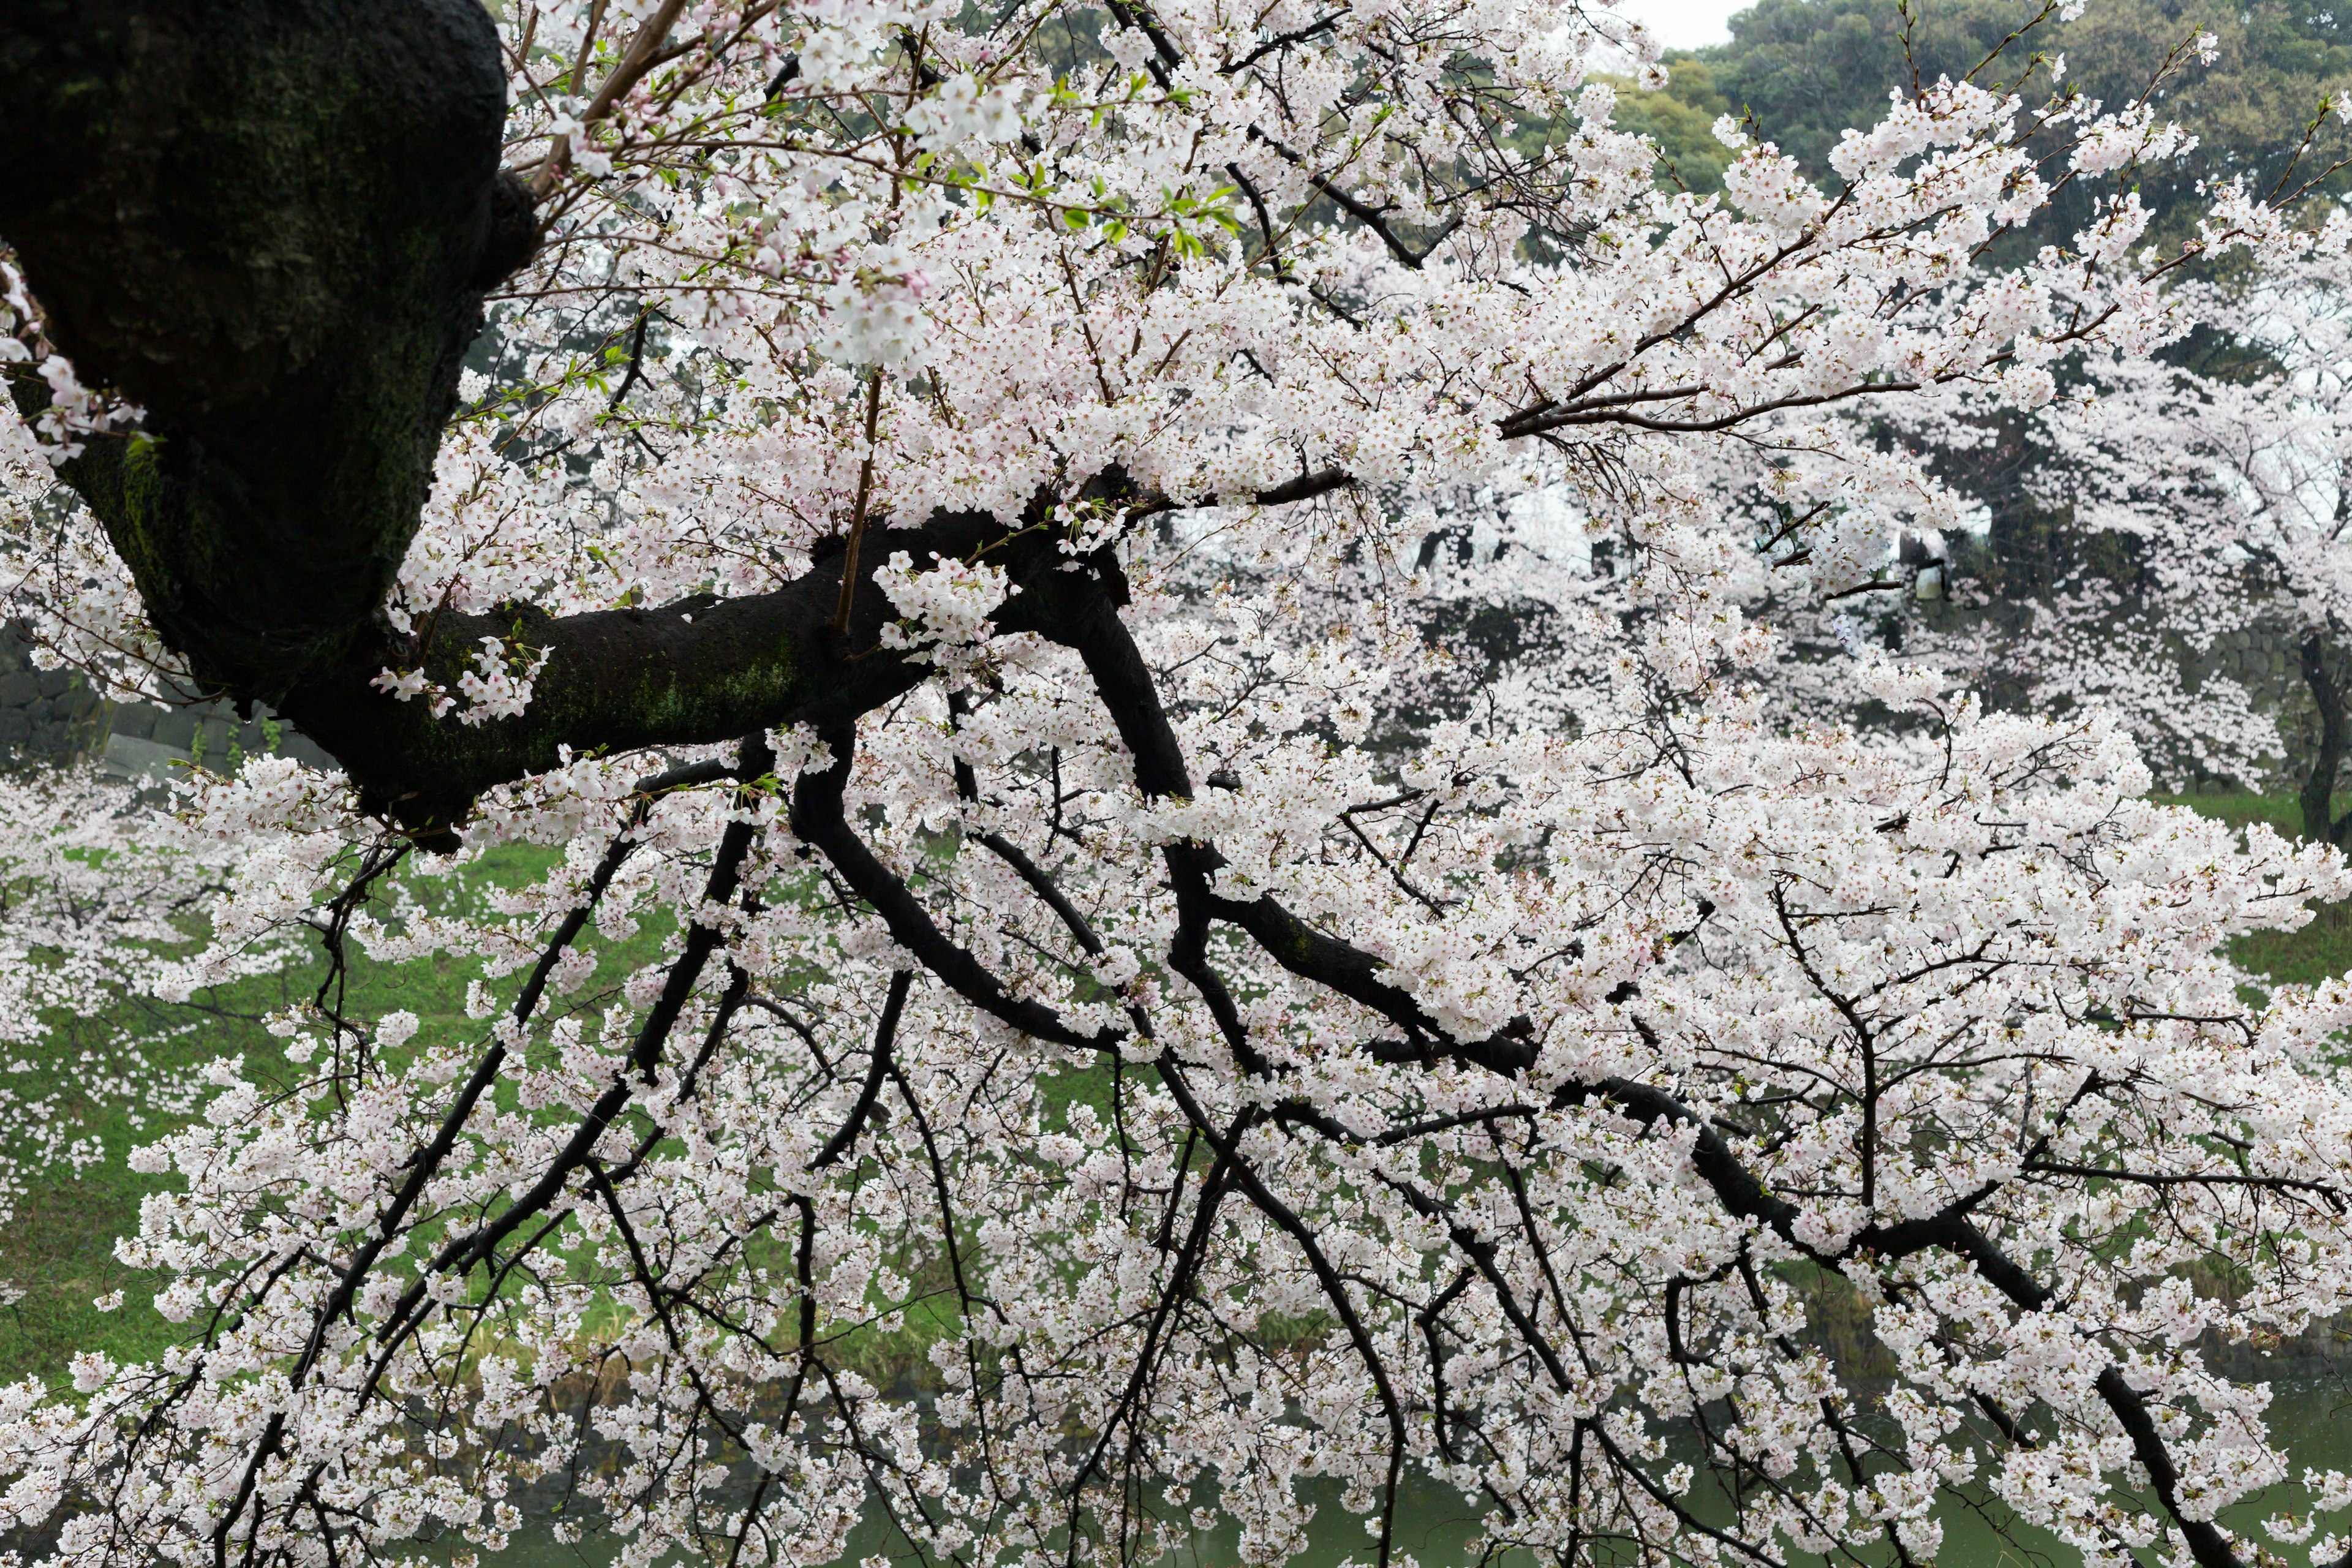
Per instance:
x=877, y=1069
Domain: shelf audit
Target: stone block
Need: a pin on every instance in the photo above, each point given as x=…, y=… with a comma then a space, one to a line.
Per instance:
x=19, y=687
x=128, y=757
x=56, y=683
x=135, y=719
x=175, y=729
x=304, y=750
x=13, y=727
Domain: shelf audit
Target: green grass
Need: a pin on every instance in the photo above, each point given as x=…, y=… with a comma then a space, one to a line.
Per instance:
x=2320, y=950
x=58, y=1248
x=2238, y=808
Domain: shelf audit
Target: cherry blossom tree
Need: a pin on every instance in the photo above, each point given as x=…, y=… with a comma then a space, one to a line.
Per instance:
x=2226, y=481
x=931, y=536
x=2161, y=489
x=2203, y=494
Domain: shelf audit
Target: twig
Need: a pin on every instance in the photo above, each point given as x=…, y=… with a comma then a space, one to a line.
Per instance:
x=857, y=511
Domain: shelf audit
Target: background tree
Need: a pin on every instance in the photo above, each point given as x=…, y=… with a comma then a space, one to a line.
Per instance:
x=1805, y=70
x=2057, y=581
x=2217, y=491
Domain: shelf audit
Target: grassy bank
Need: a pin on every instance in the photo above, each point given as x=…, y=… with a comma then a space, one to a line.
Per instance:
x=58, y=1248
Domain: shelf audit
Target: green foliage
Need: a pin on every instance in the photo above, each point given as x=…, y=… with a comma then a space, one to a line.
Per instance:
x=1805, y=70
x=1680, y=117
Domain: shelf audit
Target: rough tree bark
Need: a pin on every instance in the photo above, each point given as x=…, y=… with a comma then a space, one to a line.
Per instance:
x=2333, y=705
x=271, y=223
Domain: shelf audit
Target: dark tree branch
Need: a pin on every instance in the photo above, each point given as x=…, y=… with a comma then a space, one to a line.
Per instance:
x=463, y=1253
x=817, y=816
x=1086, y=618
x=1371, y=217
x=270, y=223
x=699, y=671
x=877, y=1068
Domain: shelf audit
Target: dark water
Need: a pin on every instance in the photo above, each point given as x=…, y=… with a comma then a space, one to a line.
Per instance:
x=2311, y=1422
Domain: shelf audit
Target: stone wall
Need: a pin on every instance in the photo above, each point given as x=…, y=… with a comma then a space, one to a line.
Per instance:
x=52, y=716
x=45, y=716
x=2266, y=660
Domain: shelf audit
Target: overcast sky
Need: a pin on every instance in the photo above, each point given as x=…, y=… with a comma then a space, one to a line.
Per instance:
x=1684, y=23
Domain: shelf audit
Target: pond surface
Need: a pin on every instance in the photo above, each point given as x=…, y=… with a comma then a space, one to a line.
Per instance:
x=2312, y=1422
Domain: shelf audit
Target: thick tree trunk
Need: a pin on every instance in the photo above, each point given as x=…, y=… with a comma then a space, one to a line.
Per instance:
x=269, y=223
x=2328, y=696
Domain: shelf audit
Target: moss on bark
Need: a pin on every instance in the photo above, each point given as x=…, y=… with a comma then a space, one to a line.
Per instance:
x=269, y=223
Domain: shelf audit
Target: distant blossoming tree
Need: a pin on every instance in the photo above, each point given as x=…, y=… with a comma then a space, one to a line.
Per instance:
x=2226, y=484
x=932, y=536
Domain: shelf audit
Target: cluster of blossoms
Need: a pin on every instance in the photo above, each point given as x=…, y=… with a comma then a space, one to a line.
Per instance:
x=96, y=906
x=2226, y=484
x=498, y=685
x=74, y=411
x=1237, y=1039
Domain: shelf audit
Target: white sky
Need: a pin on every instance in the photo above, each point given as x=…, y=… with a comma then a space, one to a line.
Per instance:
x=1684, y=23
